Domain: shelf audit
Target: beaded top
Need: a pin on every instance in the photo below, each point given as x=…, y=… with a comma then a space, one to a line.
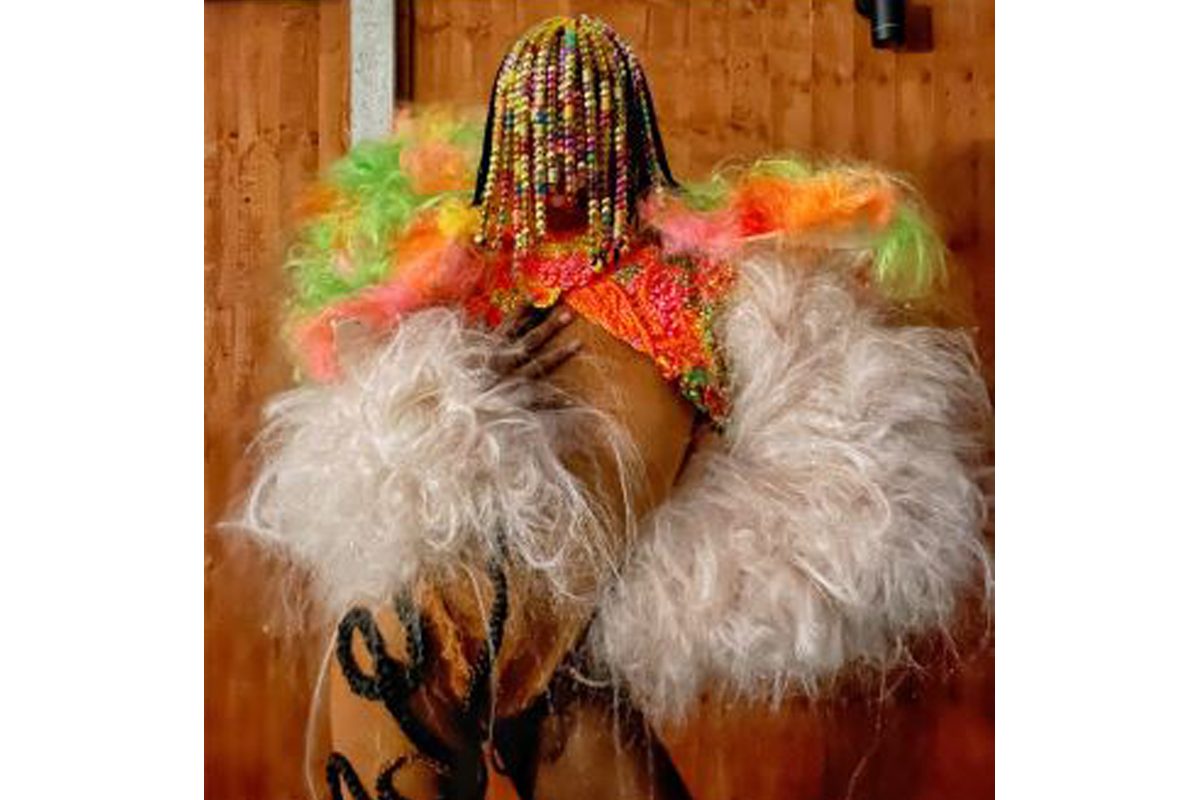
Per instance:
x=662, y=305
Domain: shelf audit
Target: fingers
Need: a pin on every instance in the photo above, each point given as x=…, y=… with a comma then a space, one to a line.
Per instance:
x=530, y=345
x=517, y=324
x=548, y=361
x=545, y=331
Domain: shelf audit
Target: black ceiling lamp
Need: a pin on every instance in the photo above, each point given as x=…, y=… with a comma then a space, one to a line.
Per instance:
x=887, y=22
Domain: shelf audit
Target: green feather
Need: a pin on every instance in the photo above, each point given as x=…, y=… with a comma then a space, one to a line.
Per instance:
x=910, y=259
x=705, y=195
x=790, y=168
x=348, y=248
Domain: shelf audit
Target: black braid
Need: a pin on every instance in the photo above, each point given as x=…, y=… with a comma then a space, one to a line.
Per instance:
x=462, y=774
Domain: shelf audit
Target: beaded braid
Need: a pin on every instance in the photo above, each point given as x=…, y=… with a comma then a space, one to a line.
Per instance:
x=571, y=112
x=568, y=97
x=589, y=165
x=541, y=156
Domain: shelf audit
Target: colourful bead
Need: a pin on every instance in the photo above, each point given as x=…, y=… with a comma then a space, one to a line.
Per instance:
x=570, y=102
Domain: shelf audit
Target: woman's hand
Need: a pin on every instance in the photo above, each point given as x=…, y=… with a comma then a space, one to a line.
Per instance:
x=532, y=355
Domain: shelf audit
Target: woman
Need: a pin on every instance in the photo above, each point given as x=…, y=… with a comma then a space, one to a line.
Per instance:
x=592, y=429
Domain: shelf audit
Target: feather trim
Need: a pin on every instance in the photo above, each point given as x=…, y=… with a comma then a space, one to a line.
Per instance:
x=841, y=206
x=421, y=458
x=836, y=516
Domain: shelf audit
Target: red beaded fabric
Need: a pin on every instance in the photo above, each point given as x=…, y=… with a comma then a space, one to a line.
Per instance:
x=663, y=306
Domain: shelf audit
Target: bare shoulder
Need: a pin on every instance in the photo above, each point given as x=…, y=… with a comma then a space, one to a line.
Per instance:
x=626, y=384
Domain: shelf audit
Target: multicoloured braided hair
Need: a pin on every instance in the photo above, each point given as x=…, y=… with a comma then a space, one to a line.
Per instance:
x=570, y=113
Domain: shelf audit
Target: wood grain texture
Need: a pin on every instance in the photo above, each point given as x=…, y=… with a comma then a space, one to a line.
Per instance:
x=731, y=78
x=275, y=110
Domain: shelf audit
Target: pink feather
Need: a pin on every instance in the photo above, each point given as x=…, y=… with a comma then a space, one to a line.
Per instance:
x=713, y=233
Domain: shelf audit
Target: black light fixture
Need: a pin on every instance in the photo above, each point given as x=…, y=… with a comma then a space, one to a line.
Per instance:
x=887, y=22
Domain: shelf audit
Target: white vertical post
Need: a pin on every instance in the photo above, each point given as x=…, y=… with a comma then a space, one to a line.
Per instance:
x=372, y=68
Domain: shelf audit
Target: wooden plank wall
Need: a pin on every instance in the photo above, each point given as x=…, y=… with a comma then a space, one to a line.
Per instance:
x=744, y=77
x=736, y=77
x=275, y=110
x=740, y=78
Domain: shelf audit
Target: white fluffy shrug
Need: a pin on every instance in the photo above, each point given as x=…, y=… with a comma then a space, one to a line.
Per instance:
x=835, y=517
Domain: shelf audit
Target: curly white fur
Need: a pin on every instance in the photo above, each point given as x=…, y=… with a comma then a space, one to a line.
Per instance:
x=422, y=457
x=836, y=516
